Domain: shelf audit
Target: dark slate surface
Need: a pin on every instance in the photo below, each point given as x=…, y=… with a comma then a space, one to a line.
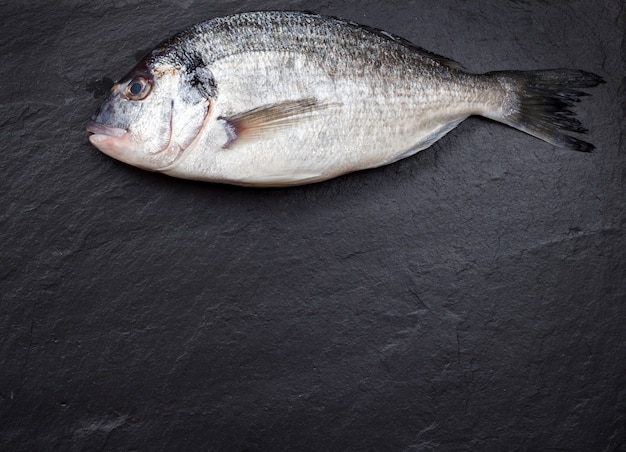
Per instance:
x=470, y=298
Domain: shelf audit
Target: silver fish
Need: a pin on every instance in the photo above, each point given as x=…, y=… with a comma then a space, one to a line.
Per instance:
x=287, y=98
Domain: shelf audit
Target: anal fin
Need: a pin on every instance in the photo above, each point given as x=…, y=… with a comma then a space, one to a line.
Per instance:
x=281, y=180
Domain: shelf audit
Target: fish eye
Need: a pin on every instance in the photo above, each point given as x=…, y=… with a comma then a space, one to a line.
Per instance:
x=137, y=89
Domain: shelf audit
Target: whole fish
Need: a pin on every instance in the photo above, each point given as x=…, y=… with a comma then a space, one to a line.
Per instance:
x=288, y=98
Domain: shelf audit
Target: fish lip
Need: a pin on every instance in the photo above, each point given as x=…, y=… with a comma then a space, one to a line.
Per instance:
x=97, y=128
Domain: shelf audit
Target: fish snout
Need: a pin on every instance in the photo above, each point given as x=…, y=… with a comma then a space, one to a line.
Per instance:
x=103, y=128
x=103, y=115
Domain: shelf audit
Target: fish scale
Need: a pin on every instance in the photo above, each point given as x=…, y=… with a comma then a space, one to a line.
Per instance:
x=287, y=98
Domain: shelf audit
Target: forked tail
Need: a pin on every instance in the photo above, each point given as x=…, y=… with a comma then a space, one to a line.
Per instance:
x=539, y=102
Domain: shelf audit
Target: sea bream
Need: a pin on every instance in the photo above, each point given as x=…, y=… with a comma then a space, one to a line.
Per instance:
x=288, y=98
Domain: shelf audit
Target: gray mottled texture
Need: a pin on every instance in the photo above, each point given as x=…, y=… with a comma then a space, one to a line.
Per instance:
x=472, y=297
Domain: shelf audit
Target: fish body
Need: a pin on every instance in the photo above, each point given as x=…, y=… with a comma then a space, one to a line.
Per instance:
x=287, y=98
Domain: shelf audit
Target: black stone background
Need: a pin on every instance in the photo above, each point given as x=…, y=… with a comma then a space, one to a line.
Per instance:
x=472, y=297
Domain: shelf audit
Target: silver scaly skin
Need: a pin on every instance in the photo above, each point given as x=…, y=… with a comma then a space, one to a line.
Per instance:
x=285, y=98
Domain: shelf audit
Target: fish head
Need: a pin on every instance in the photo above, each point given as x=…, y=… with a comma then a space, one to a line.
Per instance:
x=153, y=113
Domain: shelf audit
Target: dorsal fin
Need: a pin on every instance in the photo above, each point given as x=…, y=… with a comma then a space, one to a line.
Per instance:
x=406, y=43
x=397, y=39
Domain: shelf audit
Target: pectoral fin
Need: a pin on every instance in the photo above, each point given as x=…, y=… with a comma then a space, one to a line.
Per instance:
x=268, y=119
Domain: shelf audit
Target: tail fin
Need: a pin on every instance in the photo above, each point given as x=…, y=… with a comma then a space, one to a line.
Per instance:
x=538, y=103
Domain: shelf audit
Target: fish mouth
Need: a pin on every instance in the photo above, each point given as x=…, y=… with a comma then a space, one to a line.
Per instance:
x=113, y=141
x=119, y=144
x=100, y=132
